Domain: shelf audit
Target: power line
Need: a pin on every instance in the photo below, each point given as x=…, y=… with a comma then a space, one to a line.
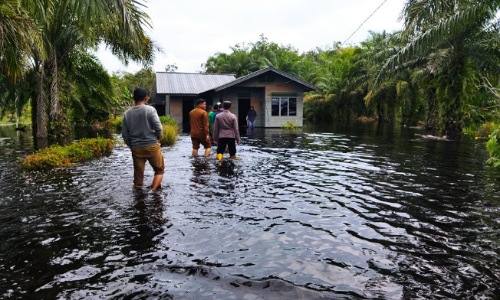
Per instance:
x=364, y=21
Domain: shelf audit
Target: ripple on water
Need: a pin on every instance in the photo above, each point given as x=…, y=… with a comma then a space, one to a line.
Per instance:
x=296, y=216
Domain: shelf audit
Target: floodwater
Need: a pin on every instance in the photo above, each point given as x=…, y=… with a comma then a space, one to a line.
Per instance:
x=318, y=213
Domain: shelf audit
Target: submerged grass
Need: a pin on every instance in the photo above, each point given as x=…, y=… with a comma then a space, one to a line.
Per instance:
x=64, y=156
x=57, y=156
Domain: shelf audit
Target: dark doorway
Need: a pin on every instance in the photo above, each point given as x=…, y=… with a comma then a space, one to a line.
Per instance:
x=187, y=106
x=160, y=109
x=243, y=108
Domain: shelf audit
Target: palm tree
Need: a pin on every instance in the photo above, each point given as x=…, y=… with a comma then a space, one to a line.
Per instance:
x=17, y=34
x=452, y=41
x=269, y=54
x=394, y=95
x=69, y=27
x=88, y=88
x=244, y=60
x=238, y=62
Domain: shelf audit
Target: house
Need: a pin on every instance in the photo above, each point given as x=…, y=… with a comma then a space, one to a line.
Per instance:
x=276, y=96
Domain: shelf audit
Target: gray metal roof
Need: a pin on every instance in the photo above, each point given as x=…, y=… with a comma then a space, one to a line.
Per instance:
x=262, y=71
x=189, y=83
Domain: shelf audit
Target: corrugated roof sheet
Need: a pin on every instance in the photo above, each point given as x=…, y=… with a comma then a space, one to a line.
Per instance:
x=189, y=83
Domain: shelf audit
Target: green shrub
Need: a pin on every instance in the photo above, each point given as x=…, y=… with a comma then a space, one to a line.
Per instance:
x=169, y=134
x=486, y=129
x=170, y=131
x=481, y=132
x=60, y=157
x=290, y=125
x=493, y=146
x=169, y=125
x=168, y=120
x=47, y=158
x=116, y=123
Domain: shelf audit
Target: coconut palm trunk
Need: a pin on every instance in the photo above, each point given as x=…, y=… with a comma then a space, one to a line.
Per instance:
x=41, y=114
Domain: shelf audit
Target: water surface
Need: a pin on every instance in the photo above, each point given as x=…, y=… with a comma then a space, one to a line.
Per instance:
x=318, y=213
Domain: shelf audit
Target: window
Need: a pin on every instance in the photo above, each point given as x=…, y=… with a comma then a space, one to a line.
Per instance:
x=283, y=106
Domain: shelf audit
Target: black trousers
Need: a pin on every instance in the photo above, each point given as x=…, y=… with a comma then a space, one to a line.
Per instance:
x=229, y=142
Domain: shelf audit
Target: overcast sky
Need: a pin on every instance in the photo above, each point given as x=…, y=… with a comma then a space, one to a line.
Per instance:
x=190, y=31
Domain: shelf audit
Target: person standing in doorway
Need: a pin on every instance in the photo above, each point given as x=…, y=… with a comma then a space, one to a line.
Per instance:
x=141, y=131
x=226, y=131
x=198, y=120
x=251, y=116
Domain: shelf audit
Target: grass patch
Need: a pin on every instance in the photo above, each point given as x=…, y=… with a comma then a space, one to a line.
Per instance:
x=170, y=131
x=290, y=125
x=64, y=156
x=169, y=134
x=168, y=120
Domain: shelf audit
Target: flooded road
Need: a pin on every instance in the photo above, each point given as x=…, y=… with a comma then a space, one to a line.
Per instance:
x=313, y=214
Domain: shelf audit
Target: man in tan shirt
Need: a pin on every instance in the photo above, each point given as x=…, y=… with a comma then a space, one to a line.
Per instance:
x=198, y=120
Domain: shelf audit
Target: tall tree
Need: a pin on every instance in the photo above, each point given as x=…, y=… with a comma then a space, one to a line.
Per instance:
x=452, y=40
x=245, y=59
x=69, y=27
x=17, y=35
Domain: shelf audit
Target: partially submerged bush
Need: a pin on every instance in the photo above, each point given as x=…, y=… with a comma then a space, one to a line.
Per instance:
x=486, y=129
x=59, y=156
x=116, y=123
x=493, y=146
x=169, y=125
x=168, y=120
x=170, y=131
x=290, y=125
x=169, y=135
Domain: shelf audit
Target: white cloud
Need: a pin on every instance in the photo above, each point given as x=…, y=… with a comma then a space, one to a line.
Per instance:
x=190, y=31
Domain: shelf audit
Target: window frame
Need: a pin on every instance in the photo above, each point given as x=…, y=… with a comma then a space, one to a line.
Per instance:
x=281, y=106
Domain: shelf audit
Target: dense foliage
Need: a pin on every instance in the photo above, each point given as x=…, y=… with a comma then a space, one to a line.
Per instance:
x=46, y=57
x=169, y=134
x=442, y=71
x=493, y=146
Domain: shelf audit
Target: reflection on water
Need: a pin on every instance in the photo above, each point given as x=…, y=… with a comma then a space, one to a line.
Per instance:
x=318, y=213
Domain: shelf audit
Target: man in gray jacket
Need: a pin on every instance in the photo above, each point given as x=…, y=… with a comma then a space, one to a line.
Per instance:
x=226, y=131
x=141, y=131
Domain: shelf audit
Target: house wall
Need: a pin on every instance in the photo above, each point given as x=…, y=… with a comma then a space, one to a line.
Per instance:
x=262, y=101
x=176, y=108
x=259, y=90
x=279, y=121
x=258, y=103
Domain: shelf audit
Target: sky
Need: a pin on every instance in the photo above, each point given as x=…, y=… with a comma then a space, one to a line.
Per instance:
x=190, y=31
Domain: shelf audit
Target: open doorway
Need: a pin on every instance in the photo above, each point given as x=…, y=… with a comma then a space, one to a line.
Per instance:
x=187, y=106
x=243, y=108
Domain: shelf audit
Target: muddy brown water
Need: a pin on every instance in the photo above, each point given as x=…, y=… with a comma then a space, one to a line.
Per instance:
x=317, y=213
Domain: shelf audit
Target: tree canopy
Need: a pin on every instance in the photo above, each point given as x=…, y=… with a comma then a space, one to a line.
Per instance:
x=47, y=46
x=441, y=71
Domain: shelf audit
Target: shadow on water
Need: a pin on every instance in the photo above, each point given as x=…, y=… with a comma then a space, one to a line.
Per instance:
x=315, y=213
